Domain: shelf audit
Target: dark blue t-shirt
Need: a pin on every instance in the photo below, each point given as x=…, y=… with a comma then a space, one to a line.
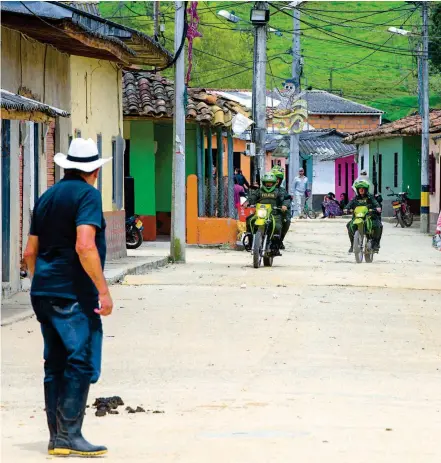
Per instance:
x=57, y=214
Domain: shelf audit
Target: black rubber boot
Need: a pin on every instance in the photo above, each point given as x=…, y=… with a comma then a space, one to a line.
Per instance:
x=247, y=241
x=351, y=239
x=70, y=415
x=351, y=249
x=51, y=393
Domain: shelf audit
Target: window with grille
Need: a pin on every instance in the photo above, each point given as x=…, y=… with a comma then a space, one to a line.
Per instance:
x=380, y=172
x=118, y=171
x=339, y=175
x=114, y=169
x=99, y=144
x=353, y=173
x=362, y=162
x=395, y=170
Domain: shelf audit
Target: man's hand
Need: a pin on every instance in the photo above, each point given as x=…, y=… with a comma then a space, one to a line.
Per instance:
x=106, y=304
x=245, y=204
x=379, y=210
x=284, y=208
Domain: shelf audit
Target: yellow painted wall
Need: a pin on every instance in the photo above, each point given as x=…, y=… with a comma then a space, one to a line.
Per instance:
x=96, y=93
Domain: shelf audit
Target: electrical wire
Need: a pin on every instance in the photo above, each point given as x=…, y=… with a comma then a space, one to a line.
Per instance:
x=343, y=38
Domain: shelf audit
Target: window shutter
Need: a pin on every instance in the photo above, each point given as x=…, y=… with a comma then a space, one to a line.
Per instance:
x=99, y=144
x=432, y=174
x=119, y=172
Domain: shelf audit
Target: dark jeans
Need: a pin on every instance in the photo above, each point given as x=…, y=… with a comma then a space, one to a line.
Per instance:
x=73, y=338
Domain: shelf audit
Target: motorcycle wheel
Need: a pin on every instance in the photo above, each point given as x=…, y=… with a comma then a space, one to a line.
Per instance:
x=133, y=238
x=268, y=261
x=358, y=247
x=369, y=252
x=257, y=249
x=312, y=214
x=400, y=219
x=408, y=218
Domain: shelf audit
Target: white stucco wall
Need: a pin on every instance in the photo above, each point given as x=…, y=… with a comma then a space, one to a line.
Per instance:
x=323, y=180
x=363, y=153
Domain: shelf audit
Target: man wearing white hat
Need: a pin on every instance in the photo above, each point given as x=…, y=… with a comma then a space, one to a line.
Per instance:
x=65, y=256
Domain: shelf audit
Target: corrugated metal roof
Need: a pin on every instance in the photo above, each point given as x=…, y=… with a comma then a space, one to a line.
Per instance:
x=142, y=47
x=321, y=102
x=12, y=101
x=325, y=144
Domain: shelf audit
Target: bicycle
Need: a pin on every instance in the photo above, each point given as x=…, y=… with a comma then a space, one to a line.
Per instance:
x=307, y=211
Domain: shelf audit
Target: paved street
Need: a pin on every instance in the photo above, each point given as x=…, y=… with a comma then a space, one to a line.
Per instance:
x=317, y=359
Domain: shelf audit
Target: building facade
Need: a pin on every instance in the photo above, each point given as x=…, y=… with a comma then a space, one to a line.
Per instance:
x=61, y=79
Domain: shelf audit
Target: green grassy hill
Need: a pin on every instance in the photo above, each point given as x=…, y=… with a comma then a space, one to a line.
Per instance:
x=350, y=39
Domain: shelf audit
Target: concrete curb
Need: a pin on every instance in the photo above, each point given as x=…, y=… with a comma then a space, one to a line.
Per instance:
x=137, y=270
x=118, y=276
x=28, y=313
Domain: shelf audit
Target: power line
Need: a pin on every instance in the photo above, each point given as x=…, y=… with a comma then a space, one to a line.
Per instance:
x=344, y=38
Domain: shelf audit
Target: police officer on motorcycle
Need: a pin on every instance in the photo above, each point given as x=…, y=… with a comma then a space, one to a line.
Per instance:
x=286, y=216
x=268, y=193
x=364, y=198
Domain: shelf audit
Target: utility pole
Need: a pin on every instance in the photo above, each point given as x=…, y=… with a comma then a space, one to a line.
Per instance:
x=294, y=151
x=177, y=238
x=259, y=18
x=156, y=8
x=425, y=119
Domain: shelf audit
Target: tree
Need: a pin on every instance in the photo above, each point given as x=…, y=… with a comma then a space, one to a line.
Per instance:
x=435, y=36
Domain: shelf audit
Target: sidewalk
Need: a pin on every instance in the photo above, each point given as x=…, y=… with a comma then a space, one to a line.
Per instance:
x=140, y=261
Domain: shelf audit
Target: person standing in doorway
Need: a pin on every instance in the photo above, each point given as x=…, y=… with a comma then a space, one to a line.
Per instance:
x=300, y=187
x=65, y=257
x=241, y=179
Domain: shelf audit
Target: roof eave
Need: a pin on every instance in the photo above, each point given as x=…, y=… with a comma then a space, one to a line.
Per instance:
x=345, y=114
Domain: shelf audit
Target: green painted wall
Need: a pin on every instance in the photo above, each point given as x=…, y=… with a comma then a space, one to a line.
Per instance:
x=412, y=166
x=164, y=137
x=142, y=166
x=387, y=148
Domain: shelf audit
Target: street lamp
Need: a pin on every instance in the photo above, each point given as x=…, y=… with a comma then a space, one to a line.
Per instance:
x=259, y=16
x=399, y=31
x=229, y=16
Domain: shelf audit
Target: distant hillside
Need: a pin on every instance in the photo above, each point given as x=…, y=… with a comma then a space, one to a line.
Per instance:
x=368, y=64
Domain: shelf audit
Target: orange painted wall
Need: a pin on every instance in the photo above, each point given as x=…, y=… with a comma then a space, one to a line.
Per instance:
x=206, y=230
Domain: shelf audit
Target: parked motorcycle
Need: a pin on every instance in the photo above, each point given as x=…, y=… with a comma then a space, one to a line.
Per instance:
x=265, y=245
x=363, y=237
x=134, y=228
x=401, y=208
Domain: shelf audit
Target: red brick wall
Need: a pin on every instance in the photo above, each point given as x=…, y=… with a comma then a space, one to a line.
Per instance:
x=344, y=123
x=50, y=152
x=116, y=234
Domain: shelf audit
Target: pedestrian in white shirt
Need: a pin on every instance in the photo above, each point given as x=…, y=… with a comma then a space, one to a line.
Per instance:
x=363, y=177
x=300, y=187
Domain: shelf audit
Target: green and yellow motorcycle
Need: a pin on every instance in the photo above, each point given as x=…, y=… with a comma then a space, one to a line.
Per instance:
x=264, y=247
x=363, y=236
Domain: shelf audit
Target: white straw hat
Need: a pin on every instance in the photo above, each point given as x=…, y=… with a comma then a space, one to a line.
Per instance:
x=82, y=155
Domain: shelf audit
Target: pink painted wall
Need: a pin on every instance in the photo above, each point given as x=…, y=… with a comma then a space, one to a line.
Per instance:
x=268, y=162
x=343, y=182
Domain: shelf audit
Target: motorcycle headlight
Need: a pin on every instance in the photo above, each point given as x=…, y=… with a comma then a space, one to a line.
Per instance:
x=262, y=213
x=360, y=215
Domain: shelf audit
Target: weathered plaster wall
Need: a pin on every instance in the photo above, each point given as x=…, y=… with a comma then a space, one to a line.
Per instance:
x=96, y=93
x=97, y=109
x=40, y=68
